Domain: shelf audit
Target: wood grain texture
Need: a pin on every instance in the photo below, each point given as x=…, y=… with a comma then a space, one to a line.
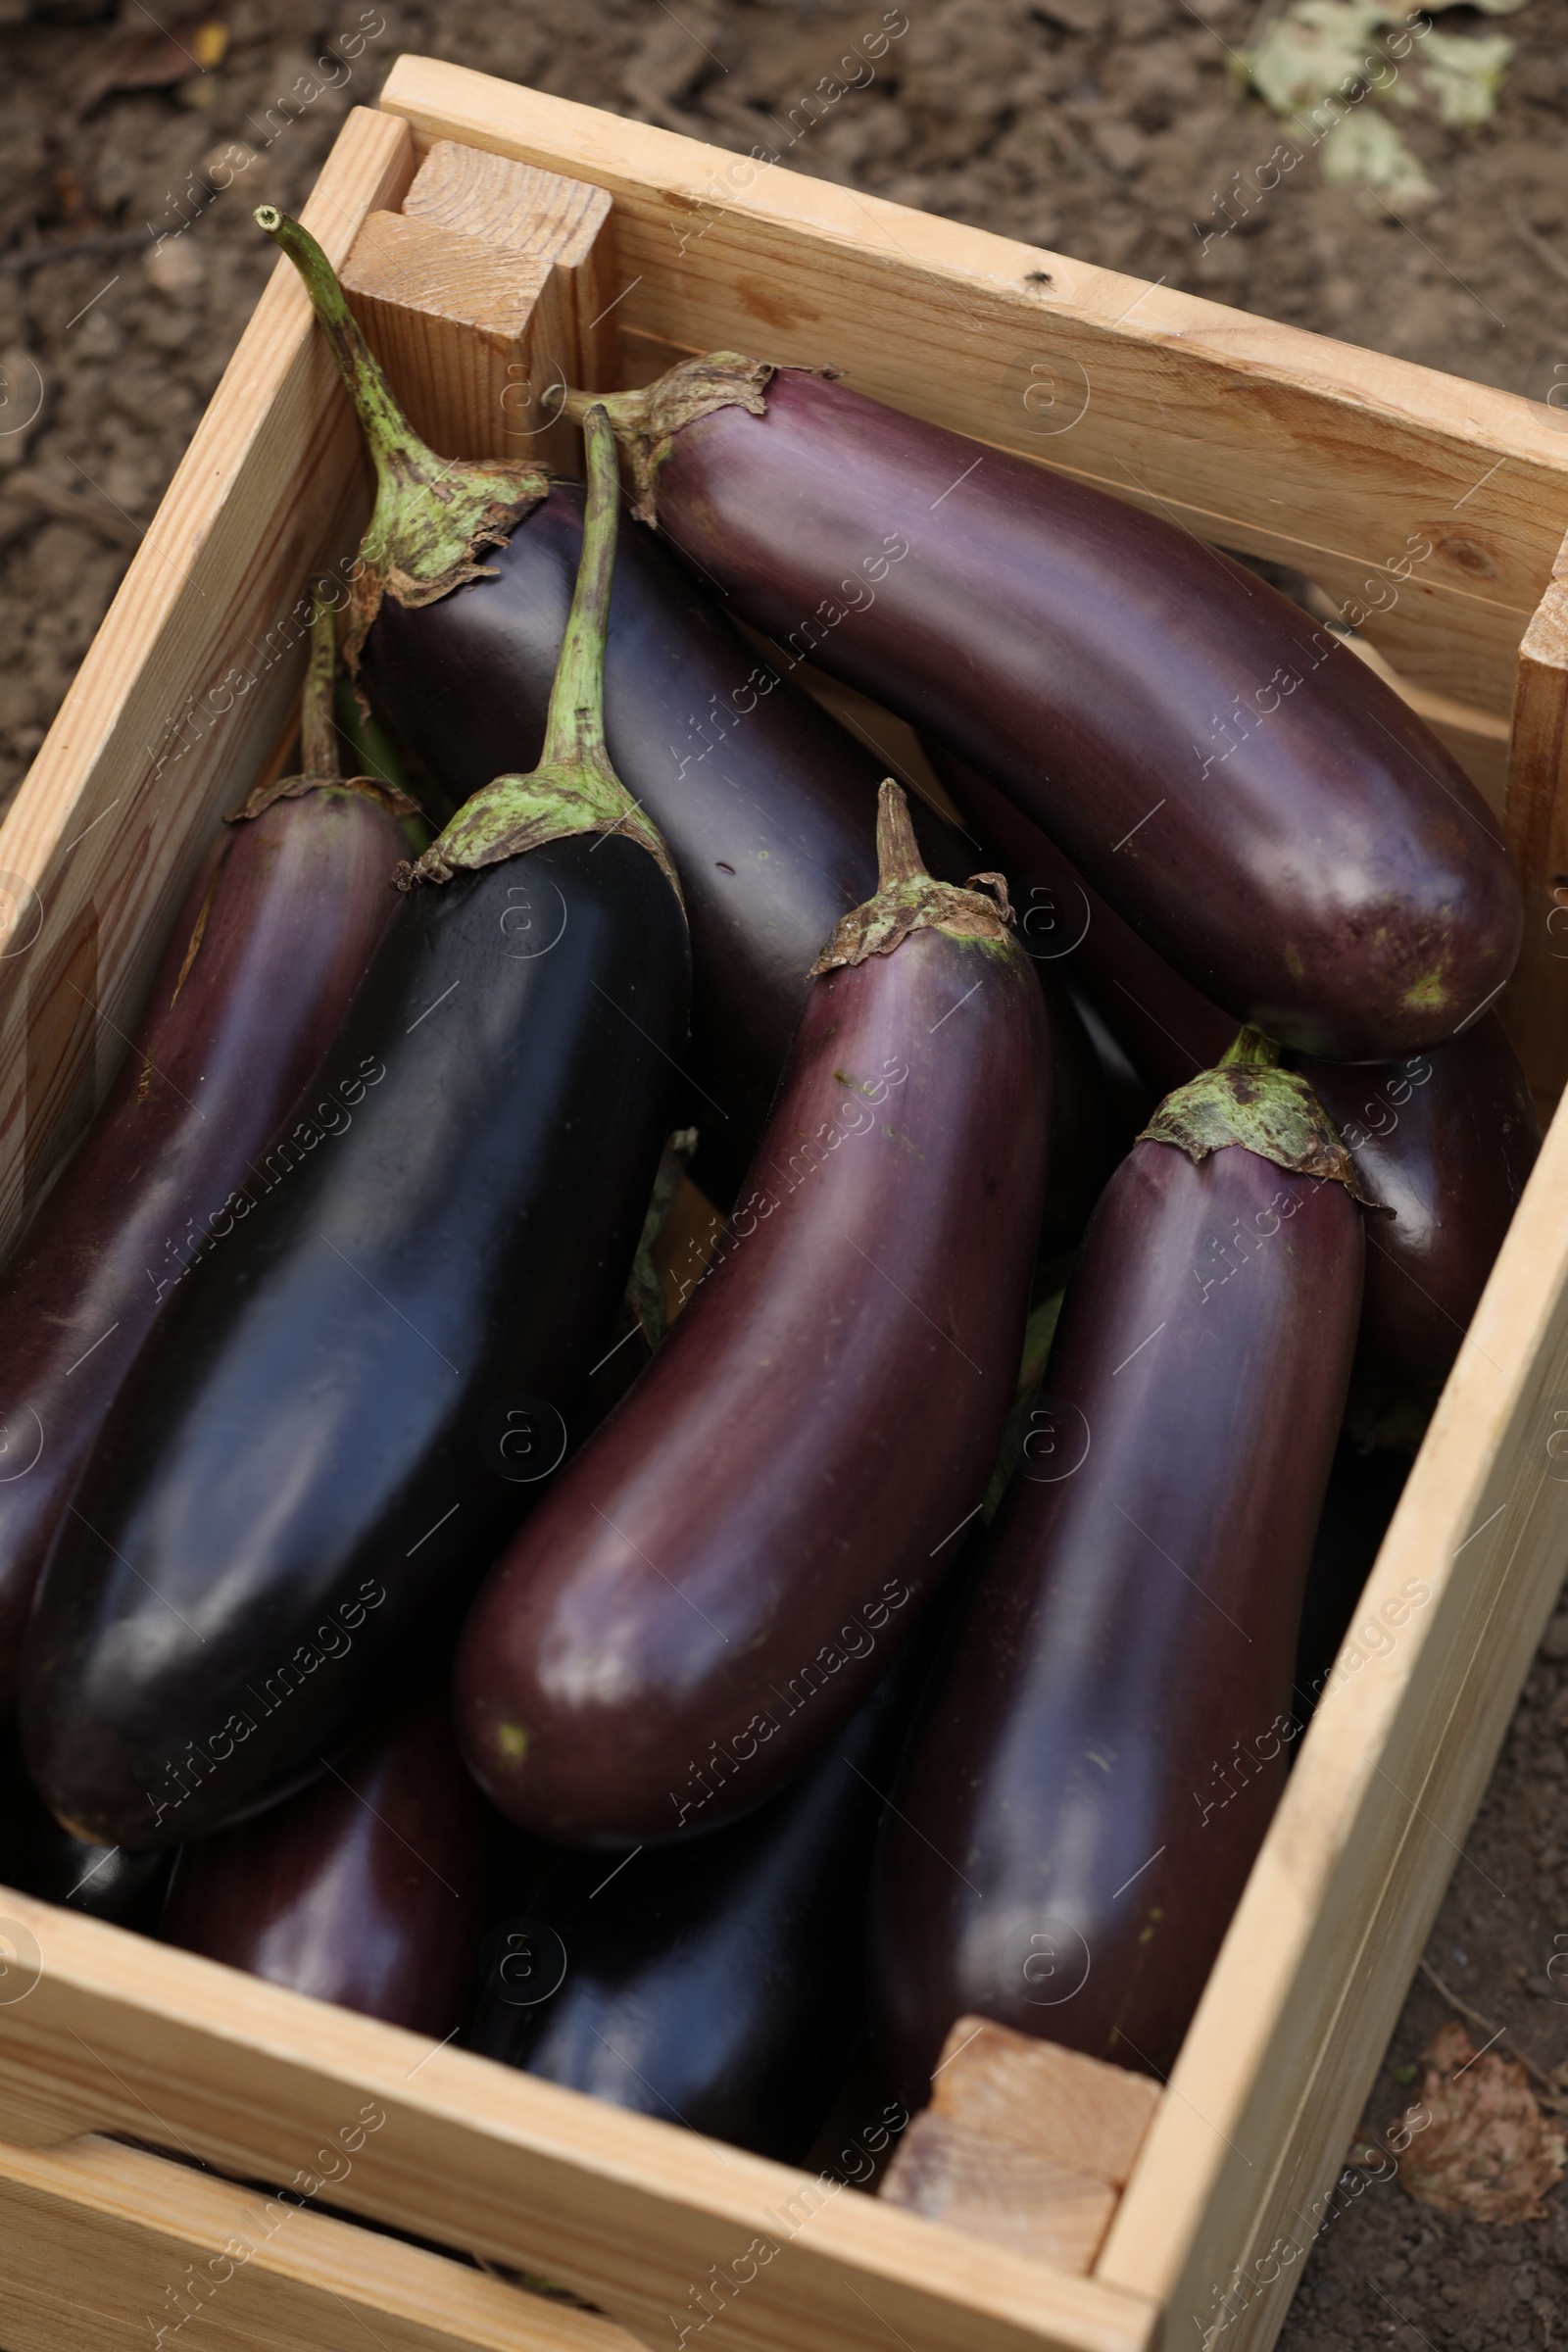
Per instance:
x=476, y=340
x=1007, y=2194
x=101, y=2246
x=184, y=688
x=1536, y=1006
x=641, y=2217
x=1024, y=2143
x=522, y=210
x=1258, y=435
x=1270, y=2081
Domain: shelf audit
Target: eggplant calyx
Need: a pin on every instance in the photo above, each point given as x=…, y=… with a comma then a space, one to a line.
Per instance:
x=1250, y=1102
x=516, y=814
x=646, y=422
x=908, y=898
x=294, y=787
x=431, y=516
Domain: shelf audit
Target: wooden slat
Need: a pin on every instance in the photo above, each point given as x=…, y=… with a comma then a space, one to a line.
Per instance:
x=1537, y=1005
x=118, y=2032
x=1298, y=2012
x=529, y=212
x=1255, y=434
x=103, y=2246
x=272, y=485
x=476, y=340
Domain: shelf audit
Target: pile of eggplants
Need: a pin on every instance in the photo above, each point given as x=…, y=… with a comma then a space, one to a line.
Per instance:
x=809, y=1672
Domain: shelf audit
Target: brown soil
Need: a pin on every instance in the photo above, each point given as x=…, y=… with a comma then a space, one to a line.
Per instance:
x=1107, y=129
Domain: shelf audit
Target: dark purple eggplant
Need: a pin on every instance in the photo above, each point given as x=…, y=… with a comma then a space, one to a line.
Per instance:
x=370, y=1889
x=1363, y=1492
x=768, y=806
x=266, y=951
x=718, y=1982
x=1267, y=811
x=1049, y=1857
x=326, y=1442
x=694, y=1609
x=1445, y=1139
x=38, y=1858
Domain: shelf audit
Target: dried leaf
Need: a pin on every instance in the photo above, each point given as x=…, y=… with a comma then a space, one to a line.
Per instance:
x=1488, y=2152
x=1463, y=75
x=1367, y=149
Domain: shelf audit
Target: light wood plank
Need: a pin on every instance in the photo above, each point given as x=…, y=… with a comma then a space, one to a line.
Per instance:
x=122, y=2033
x=476, y=340
x=185, y=686
x=1537, y=1005
x=1258, y=435
x=534, y=214
x=1024, y=2143
x=1372, y=1825
x=1008, y=2196
x=103, y=2246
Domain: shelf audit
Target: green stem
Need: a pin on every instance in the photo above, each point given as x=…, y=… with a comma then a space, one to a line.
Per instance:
x=388, y=431
x=319, y=753
x=1250, y=1048
x=573, y=789
x=432, y=515
x=574, y=730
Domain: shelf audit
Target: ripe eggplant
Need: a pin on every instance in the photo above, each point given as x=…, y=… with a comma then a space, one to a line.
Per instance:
x=1049, y=1857
x=326, y=1442
x=693, y=1610
x=767, y=804
x=270, y=945
x=1445, y=1140
x=368, y=1889
x=39, y=1858
x=718, y=1982
x=1268, y=812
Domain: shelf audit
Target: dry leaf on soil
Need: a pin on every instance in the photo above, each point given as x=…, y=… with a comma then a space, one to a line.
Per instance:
x=1488, y=2150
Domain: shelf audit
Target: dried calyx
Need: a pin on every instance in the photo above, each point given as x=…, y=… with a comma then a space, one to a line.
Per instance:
x=573, y=789
x=322, y=770
x=908, y=898
x=432, y=515
x=1249, y=1100
x=645, y=422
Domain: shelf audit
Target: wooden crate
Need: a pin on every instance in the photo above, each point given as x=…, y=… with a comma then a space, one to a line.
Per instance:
x=1256, y=437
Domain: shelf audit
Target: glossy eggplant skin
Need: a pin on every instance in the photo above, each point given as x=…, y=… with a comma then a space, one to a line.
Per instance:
x=315, y=1463
x=719, y=1983
x=694, y=1608
x=768, y=811
x=1046, y=1859
x=1169, y=1028
x=1264, y=809
x=268, y=947
x=1445, y=1139
x=39, y=1858
x=370, y=1889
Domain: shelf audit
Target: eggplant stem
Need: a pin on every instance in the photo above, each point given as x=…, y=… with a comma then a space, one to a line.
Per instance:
x=319, y=751
x=432, y=516
x=575, y=729
x=1250, y=1048
x=898, y=852
x=386, y=429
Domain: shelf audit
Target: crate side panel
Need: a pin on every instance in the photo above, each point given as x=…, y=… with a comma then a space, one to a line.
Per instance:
x=103, y=2246
x=186, y=684
x=1337, y=454
x=122, y=2034
x=1373, y=1820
